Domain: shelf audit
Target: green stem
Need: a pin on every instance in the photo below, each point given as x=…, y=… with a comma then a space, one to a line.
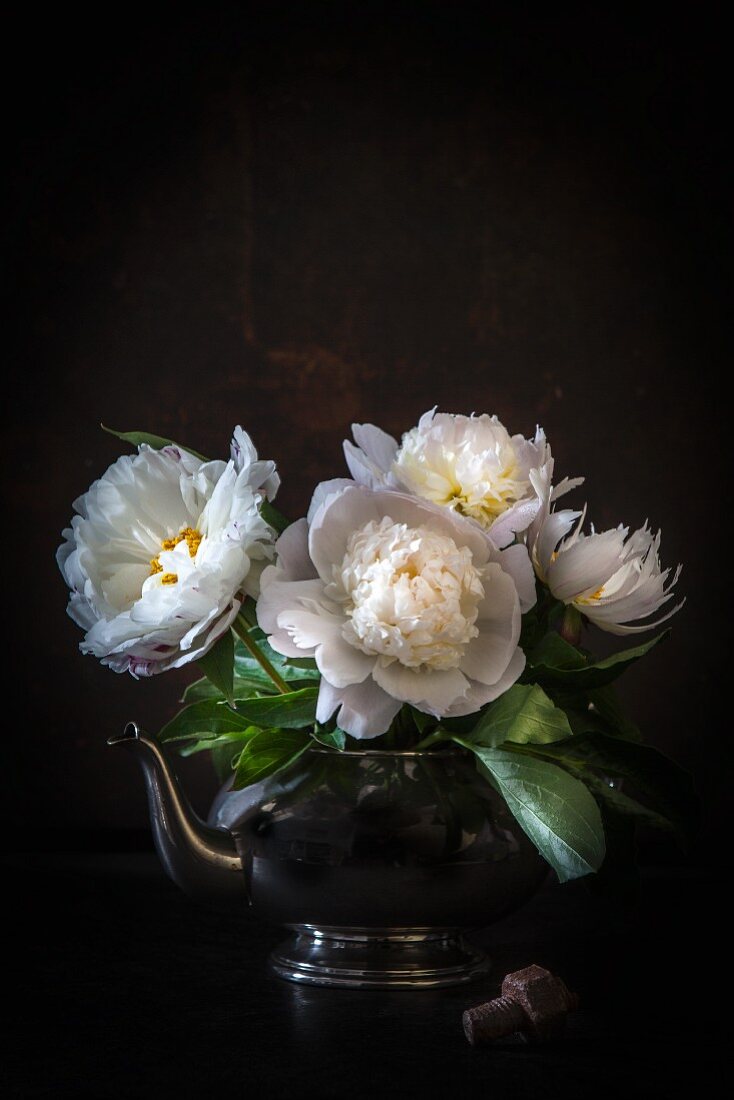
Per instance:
x=242, y=631
x=432, y=739
x=571, y=625
x=247, y=611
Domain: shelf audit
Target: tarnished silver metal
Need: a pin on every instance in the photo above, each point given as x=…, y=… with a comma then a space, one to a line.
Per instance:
x=200, y=859
x=378, y=958
x=376, y=860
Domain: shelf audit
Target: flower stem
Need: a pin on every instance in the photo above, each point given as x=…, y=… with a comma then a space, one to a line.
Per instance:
x=242, y=631
x=439, y=735
x=570, y=629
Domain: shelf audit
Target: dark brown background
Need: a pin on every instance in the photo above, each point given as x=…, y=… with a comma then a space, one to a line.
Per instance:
x=294, y=216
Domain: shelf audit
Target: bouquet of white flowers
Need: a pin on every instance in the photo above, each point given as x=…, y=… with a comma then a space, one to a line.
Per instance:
x=438, y=596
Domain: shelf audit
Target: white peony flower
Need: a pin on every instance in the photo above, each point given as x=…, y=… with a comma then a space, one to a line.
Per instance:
x=470, y=464
x=399, y=602
x=162, y=552
x=609, y=577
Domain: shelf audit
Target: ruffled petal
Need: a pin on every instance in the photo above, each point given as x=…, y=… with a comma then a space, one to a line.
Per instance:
x=556, y=527
x=584, y=565
x=516, y=519
x=433, y=691
x=323, y=491
x=278, y=595
x=488, y=655
x=621, y=629
x=379, y=447
x=361, y=468
x=515, y=561
x=365, y=710
x=292, y=552
x=479, y=693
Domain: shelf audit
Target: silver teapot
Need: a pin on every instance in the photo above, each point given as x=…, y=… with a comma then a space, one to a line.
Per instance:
x=377, y=861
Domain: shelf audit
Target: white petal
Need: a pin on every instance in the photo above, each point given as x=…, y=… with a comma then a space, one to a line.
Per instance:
x=242, y=449
x=292, y=552
x=81, y=611
x=204, y=640
x=361, y=468
x=620, y=629
x=488, y=655
x=320, y=632
x=515, y=519
x=281, y=642
x=334, y=521
x=278, y=595
x=585, y=565
x=379, y=447
x=365, y=710
x=515, y=560
x=341, y=663
x=556, y=527
x=479, y=694
x=566, y=486
x=323, y=491
x=431, y=690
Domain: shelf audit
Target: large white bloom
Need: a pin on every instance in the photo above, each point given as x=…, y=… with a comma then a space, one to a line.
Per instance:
x=469, y=464
x=612, y=577
x=399, y=602
x=161, y=552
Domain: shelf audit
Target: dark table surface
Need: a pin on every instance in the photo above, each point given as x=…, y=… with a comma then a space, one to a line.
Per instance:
x=118, y=985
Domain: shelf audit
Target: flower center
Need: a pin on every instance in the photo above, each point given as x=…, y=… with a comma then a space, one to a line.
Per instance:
x=191, y=537
x=592, y=598
x=410, y=595
x=470, y=466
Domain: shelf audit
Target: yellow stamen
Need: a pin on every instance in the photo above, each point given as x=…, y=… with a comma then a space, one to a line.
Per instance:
x=593, y=597
x=191, y=537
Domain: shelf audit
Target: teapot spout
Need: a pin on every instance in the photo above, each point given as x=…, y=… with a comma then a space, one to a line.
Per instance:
x=201, y=860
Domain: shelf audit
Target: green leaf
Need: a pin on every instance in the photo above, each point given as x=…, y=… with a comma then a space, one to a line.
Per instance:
x=597, y=711
x=606, y=705
x=235, y=741
x=594, y=675
x=218, y=665
x=205, y=689
x=556, y=811
x=157, y=442
x=649, y=775
x=337, y=739
x=620, y=803
x=272, y=516
x=555, y=652
x=243, y=687
x=524, y=713
x=250, y=677
x=421, y=721
x=207, y=719
x=293, y=668
x=268, y=752
x=223, y=758
x=293, y=710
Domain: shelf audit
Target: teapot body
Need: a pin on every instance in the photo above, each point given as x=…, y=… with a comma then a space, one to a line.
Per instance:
x=360, y=849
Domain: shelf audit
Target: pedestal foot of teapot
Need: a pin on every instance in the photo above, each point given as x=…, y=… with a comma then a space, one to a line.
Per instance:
x=376, y=958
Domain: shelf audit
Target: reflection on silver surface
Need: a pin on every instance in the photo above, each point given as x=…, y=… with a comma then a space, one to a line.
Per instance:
x=376, y=860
